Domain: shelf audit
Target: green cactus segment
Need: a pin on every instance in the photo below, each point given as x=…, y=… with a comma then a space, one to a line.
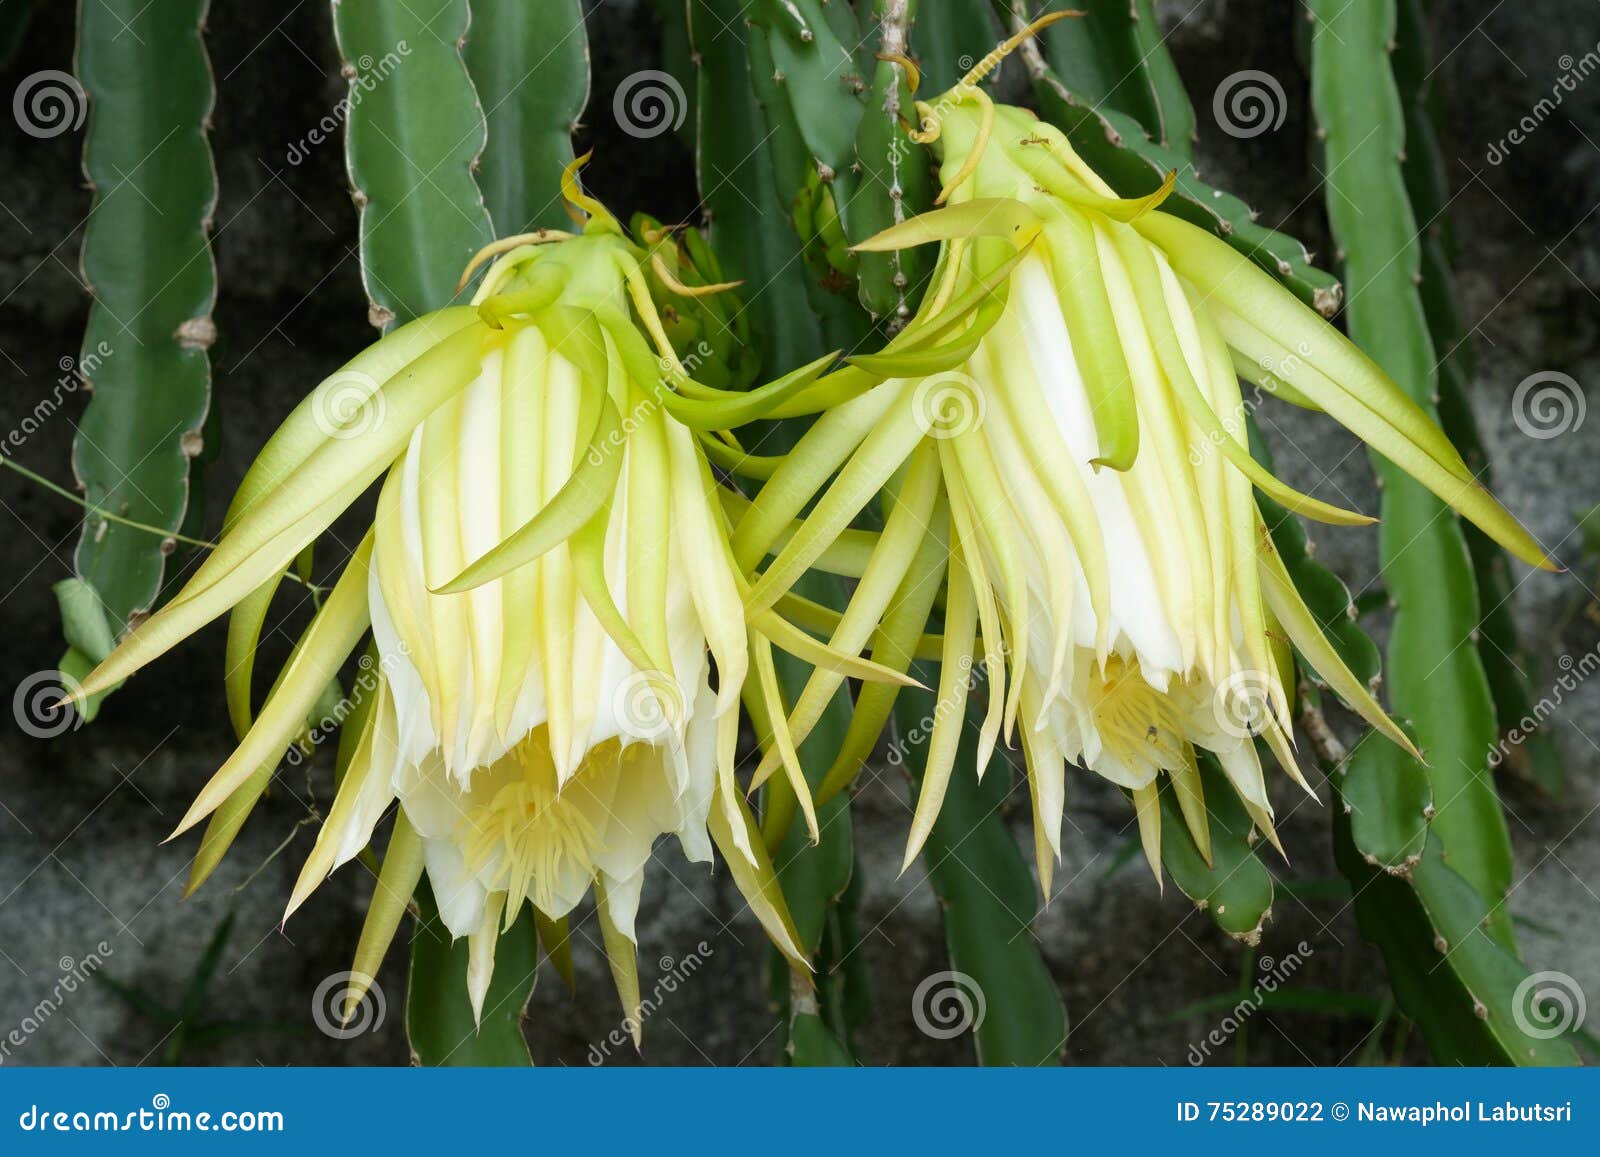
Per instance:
x=1433, y=902
x=439, y=1021
x=818, y=77
x=530, y=65
x=948, y=38
x=1235, y=888
x=735, y=163
x=1116, y=57
x=147, y=262
x=1116, y=143
x=411, y=141
x=813, y=94
x=989, y=899
x=896, y=177
x=811, y=196
x=1436, y=678
x=1388, y=799
x=1449, y=974
x=1504, y=660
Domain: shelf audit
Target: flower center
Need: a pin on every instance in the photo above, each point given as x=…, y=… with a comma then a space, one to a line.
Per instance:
x=1138, y=725
x=542, y=832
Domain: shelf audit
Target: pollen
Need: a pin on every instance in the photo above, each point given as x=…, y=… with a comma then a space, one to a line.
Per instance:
x=1138, y=725
x=540, y=833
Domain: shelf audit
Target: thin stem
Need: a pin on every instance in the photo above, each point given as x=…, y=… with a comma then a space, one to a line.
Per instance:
x=62, y=491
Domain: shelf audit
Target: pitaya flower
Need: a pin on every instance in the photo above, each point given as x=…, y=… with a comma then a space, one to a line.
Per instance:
x=1069, y=389
x=548, y=582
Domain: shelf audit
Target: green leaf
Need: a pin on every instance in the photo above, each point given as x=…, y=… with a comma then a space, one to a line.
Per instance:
x=415, y=129
x=147, y=262
x=194, y=997
x=438, y=1013
x=530, y=65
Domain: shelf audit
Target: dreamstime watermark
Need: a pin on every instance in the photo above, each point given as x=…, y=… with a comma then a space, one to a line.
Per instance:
x=674, y=974
x=1235, y=425
x=364, y=74
x=368, y=676
x=1275, y=371
x=947, y=705
x=949, y=405
x=1546, y=1005
x=39, y=708
x=1274, y=974
x=648, y=103
x=74, y=375
x=648, y=705
x=617, y=438
x=1242, y=703
x=947, y=1004
x=1574, y=673
x=160, y=1117
x=348, y=405
x=49, y=103
x=348, y=1004
x=1573, y=73
x=1548, y=404
x=74, y=972
x=1249, y=103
